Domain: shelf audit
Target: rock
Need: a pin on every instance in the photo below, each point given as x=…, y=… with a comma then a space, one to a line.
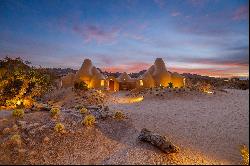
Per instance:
x=159, y=141
x=22, y=124
x=46, y=140
x=40, y=107
x=6, y=130
x=22, y=151
x=15, y=127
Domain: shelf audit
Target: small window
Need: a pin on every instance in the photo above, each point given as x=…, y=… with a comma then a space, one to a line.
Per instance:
x=102, y=82
x=141, y=83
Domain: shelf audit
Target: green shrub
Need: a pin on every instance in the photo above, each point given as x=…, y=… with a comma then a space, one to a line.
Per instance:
x=89, y=120
x=119, y=115
x=19, y=113
x=84, y=110
x=54, y=112
x=80, y=85
x=59, y=128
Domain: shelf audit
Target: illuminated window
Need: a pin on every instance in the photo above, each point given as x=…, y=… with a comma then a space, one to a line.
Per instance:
x=141, y=83
x=102, y=82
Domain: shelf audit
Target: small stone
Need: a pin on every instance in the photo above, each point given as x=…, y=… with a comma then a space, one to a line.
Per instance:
x=6, y=130
x=22, y=124
x=15, y=127
x=46, y=140
x=22, y=151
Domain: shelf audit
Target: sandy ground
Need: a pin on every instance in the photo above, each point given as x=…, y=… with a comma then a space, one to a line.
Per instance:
x=207, y=128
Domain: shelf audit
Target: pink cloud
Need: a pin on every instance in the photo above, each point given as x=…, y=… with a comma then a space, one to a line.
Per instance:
x=242, y=13
x=174, y=14
x=94, y=33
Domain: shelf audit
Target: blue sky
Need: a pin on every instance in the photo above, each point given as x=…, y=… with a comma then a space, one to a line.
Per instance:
x=208, y=37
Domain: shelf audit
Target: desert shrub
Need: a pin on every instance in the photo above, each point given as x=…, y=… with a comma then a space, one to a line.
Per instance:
x=54, y=111
x=170, y=85
x=89, y=120
x=59, y=128
x=80, y=86
x=78, y=107
x=119, y=115
x=83, y=110
x=16, y=139
x=244, y=154
x=19, y=113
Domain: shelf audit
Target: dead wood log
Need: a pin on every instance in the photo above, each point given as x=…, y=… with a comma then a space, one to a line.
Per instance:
x=159, y=141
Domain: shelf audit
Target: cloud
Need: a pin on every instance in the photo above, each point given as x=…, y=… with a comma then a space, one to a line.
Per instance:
x=95, y=33
x=174, y=14
x=212, y=72
x=160, y=3
x=242, y=13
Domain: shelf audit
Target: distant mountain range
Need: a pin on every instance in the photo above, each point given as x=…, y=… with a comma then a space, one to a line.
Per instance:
x=61, y=72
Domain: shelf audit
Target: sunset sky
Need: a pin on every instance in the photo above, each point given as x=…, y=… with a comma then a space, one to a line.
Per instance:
x=208, y=37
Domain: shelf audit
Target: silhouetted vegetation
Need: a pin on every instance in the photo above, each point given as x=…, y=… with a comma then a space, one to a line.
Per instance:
x=80, y=86
x=170, y=85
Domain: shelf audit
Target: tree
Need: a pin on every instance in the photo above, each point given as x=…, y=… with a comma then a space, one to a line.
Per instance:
x=18, y=80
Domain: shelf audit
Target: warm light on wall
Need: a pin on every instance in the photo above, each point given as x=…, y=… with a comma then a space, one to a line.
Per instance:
x=141, y=83
x=102, y=82
x=18, y=102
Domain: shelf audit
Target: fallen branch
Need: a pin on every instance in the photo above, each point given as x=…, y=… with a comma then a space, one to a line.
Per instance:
x=157, y=140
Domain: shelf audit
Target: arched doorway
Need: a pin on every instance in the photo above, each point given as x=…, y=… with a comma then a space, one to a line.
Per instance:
x=111, y=85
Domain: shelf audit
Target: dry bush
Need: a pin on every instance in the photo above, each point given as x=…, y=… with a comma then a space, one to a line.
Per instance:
x=59, y=128
x=16, y=140
x=78, y=107
x=89, y=120
x=19, y=113
x=119, y=115
x=84, y=110
x=54, y=112
x=244, y=154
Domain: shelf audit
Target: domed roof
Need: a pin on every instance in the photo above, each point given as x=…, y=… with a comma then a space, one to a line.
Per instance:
x=124, y=77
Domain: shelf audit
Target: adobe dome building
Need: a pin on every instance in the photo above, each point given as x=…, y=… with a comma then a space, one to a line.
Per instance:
x=88, y=74
x=157, y=75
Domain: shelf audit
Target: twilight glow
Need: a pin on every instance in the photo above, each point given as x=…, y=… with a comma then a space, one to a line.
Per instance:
x=207, y=37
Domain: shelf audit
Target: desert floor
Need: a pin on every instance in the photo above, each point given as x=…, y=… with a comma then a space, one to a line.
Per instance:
x=208, y=128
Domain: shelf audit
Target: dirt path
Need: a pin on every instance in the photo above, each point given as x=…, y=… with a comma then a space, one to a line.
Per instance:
x=209, y=129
